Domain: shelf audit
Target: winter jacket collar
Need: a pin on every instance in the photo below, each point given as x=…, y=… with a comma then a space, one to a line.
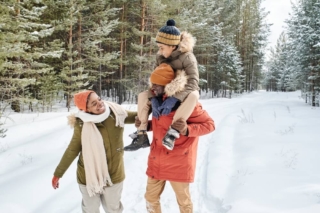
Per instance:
x=186, y=44
x=176, y=85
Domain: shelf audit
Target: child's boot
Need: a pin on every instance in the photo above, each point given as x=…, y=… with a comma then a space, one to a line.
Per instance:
x=141, y=140
x=170, y=138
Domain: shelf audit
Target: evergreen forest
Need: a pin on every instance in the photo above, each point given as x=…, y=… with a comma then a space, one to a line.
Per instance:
x=51, y=49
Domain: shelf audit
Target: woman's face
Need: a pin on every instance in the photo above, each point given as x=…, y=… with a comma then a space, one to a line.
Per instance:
x=95, y=105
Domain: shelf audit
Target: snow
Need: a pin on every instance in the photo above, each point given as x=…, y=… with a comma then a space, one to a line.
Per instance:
x=262, y=158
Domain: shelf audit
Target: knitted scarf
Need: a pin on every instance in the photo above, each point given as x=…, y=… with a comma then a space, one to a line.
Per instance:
x=93, y=150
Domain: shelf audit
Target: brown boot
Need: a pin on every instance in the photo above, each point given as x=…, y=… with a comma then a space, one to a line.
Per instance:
x=141, y=141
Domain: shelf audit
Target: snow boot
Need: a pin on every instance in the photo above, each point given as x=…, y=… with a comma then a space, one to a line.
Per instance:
x=141, y=140
x=134, y=135
x=170, y=138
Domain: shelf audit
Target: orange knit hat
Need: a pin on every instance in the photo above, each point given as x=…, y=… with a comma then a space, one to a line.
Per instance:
x=162, y=75
x=80, y=99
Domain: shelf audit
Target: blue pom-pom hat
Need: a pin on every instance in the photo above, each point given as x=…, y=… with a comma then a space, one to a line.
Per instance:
x=169, y=34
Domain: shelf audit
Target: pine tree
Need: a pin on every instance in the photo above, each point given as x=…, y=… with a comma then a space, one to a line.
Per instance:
x=21, y=54
x=304, y=39
x=218, y=56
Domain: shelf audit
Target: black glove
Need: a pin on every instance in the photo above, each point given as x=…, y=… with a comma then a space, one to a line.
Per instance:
x=167, y=105
x=155, y=105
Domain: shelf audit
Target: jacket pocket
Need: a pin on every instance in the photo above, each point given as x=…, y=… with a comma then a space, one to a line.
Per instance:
x=178, y=160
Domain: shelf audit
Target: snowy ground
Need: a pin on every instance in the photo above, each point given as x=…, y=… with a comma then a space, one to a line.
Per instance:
x=263, y=157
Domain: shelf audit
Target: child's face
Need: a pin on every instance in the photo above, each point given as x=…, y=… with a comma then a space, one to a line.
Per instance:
x=165, y=50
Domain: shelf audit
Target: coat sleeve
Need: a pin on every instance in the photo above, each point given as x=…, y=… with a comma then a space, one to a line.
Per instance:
x=130, y=119
x=71, y=152
x=200, y=123
x=190, y=66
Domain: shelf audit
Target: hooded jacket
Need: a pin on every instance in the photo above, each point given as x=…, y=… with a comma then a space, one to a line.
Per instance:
x=183, y=59
x=178, y=164
x=113, y=140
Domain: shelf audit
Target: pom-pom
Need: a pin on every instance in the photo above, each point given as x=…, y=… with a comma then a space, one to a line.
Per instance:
x=171, y=22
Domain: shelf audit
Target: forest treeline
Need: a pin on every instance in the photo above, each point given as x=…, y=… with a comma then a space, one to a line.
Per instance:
x=50, y=49
x=294, y=62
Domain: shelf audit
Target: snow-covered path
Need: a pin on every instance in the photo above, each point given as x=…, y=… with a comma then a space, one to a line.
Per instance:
x=262, y=158
x=265, y=154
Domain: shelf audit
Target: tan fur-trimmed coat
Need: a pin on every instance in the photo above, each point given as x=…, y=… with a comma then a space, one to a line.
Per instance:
x=183, y=59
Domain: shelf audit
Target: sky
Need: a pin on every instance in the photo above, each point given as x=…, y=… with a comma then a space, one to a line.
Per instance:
x=263, y=157
x=279, y=11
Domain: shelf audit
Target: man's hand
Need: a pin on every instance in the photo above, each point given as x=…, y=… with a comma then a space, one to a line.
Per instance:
x=181, y=126
x=137, y=122
x=55, y=182
x=167, y=105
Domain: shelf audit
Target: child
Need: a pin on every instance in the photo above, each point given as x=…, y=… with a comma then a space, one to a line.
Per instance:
x=175, y=49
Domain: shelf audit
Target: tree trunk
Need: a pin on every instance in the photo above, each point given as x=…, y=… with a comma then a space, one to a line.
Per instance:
x=70, y=55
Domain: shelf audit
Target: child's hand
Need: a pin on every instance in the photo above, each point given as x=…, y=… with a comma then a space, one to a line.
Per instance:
x=167, y=105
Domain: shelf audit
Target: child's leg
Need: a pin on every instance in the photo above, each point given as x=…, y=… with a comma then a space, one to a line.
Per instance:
x=143, y=109
x=140, y=138
x=187, y=106
x=184, y=111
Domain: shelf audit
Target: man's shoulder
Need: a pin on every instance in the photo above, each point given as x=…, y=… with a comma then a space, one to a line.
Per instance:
x=198, y=110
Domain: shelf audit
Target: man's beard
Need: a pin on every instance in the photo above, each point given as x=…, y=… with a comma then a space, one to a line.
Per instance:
x=160, y=95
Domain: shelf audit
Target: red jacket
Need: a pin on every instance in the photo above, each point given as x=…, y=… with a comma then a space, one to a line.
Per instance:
x=179, y=164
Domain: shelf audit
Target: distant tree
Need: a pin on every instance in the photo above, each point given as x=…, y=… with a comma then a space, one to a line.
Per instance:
x=304, y=42
x=214, y=51
x=22, y=53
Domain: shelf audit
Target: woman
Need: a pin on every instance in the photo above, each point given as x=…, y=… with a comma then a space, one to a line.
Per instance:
x=98, y=137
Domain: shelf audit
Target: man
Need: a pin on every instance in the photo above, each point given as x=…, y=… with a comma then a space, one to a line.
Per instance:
x=178, y=164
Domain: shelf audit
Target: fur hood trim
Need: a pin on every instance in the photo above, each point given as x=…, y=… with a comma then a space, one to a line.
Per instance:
x=72, y=120
x=176, y=85
x=187, y=42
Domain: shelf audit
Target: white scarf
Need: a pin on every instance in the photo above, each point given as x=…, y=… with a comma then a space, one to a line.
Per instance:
x=93, y=150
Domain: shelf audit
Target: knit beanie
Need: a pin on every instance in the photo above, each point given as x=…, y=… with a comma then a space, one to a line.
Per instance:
x=169, y=34
x=162, y=75
x=81, y=98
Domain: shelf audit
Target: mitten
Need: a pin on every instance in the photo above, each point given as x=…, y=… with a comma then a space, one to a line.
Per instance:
x=167, y=105
x=181, y=126
x=155, y=106
x=55, y=182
